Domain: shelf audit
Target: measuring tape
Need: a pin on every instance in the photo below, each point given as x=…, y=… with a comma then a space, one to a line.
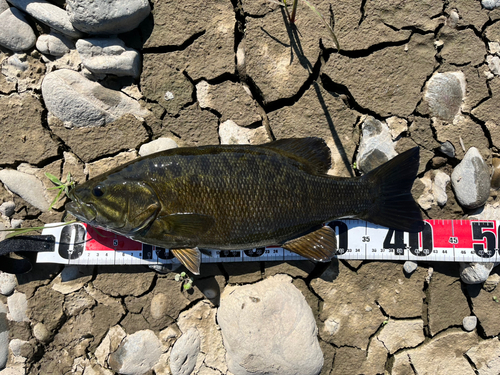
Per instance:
x=440, y=240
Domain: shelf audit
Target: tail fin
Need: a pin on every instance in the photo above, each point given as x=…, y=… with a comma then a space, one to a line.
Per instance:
x=394, y=206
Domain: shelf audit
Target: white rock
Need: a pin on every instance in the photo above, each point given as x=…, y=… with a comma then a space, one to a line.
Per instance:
x=137, y=353
x=108, y=56
x=3, y=5
x=15, y=32
x=493, y=64
x=486, y=357
x=487, y=212
x=490, y=4
x=8, y=283
x=4, y=336
x=376, y=146
x=444, y=93
x=81, y=102
x=16, y=345
x=475, y=273
x=107, y=16
x=54, y=44
x=18, y=305
x=471, y=180
x=441, y=180
x=160, y=144
x=268, y=327
x=494, y=47
x=27, y=186
x=469, y=323
x=231, y=133
x=72, y=278
x=49, y=14
x=491, y=282
x=410, y=266
x=185, y=353
x=7, y=209
x=426, y=199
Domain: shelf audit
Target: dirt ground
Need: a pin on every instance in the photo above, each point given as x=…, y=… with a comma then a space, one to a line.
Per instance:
x=238, y=72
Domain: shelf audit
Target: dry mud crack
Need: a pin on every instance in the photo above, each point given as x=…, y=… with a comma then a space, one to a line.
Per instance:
x=165, y=74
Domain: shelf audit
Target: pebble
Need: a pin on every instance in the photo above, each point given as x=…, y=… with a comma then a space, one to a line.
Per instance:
x=159, y=305
x=108, y=56
x=287, y=338
x=185, y=353
x=129, y=359
x=4, y=336
x=8, y=283
x=471, y=180
x=49, y=14
x=41, y=332
x=54, y=44
x=15, y=32
x=444, y=93
x=475, y=273
x=490, y=4
x=441, y=180
x=230, y=133
x=494, y=47
x=493, y=64
x=376, y=145
x=491, y=282
x=469, y=323
x=18, y=305
x=448, y=149
x=107, y=17
x=7, y=209
x=78, y=101
x=410, y=267
x=27, y=186
x=160, y=144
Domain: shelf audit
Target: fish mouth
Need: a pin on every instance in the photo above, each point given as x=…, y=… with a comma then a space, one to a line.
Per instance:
x=83, y=212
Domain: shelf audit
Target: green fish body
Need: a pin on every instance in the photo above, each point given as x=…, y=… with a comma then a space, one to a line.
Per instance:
x=243, y=196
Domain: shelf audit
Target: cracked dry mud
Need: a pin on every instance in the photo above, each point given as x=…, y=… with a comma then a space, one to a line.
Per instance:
x=236, y=71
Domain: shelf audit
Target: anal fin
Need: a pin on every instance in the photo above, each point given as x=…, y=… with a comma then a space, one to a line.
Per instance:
x=319, y=245
x=189, y=257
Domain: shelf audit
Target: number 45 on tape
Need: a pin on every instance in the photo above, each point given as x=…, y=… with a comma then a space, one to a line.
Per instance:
x=440, y=240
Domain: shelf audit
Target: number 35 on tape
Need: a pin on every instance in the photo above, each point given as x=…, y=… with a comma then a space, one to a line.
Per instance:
x=440, y=240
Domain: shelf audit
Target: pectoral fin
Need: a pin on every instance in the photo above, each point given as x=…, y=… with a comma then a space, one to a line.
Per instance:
x=190, y=258
x=319, y=245
x=186, y=225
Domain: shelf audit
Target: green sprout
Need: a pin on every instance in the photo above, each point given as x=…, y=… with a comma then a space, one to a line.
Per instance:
x=291, y=17
x=495, y=298
x=187, y=282
x=63, y=188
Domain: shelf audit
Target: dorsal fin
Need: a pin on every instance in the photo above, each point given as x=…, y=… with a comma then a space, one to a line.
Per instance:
x=312, y=151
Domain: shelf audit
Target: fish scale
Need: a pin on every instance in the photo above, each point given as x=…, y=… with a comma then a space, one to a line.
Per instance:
x=242, y=196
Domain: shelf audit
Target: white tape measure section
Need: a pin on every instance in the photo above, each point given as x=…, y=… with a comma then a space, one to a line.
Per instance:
x=441, y=240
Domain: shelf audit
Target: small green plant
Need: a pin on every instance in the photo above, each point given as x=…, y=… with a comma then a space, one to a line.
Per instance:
x=187, y=282
x=63, y=187
x=495, y=298
x=385, y=322
x=291, y=16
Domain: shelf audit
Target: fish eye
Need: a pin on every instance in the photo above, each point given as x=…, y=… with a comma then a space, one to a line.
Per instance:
x=98, y=191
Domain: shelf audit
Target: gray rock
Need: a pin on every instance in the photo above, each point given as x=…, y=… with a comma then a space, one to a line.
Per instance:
x=4, y=336
x=475, y=273
x=491, y=282
x=490, y=4
x=27, y=186
x=376, y=145
x=160, y=144
x=444, y=93
x=15, y=32
x=471, y=180
x=108, y=56
x=493, y=64
x=410, y=266
x=269, y=327
x=54, y=44
x=18, y=305
x=7, y=209
x=485, y=356
x=137, y=353
x=49, y=14
x=81, y=102
x=3, y=5
x=469, y=323
x=185, y=352
x=107, y=17
x=447, y=149
x=441, y=180
x=8, y=283
x=399, y=334
x=231, y=133
x=41, y=332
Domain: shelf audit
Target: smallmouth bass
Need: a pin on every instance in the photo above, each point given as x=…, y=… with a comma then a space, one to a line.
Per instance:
x=229, y=197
